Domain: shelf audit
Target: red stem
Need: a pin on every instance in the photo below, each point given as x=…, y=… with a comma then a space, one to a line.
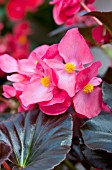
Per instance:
x=6, y=166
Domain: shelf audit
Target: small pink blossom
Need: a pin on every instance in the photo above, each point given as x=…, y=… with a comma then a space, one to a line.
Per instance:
x=75, y=53
x=21, y=7
x=88, y=98
x=65, y=10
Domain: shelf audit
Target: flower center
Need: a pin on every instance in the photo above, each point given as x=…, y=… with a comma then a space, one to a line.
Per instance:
x=36, y=62
x=22, y=39
x=88, y=88
x=45, y=81
x=69, y=67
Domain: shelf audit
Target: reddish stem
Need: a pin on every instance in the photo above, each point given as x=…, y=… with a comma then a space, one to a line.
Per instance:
x=88, y=10
x=6, y=166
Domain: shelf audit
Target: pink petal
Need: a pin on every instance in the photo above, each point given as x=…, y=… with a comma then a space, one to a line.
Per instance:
x=95, y=81
x=16, y=78
x=9, y=91
x=56, y=109
x=26, y=66
x=67, y=82
x=89, y=104
x=40, y=51
x=84, y=76
x=59, y=96
x=8, y=64
x=55, y=64
x=35, y=92
x=105, y=107
x=73, y=48
x=53, y=53
x=19, y=86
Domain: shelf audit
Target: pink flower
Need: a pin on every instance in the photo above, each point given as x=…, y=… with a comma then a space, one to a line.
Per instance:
x=54, y=76
x=40, y=87
x=88, y=99
x=58, y=104
x=18, y=11
x=64, y=10
x=100, y=34
x=21, y=7
x=75, y=53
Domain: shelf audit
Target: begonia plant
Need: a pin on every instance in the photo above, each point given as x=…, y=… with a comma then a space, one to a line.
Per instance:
x=55, y=104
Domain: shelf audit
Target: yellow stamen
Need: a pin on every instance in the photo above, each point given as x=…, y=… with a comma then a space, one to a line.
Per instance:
x=36, y=62
x=22, y=39
x=45, y=81
x=88, y=88
x=69, y=67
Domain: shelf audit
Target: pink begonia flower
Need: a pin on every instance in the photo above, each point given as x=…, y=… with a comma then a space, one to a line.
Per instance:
x=40, y=87
x=31, y=66
x=64, y=10
x=18, y=11
x=58, y=104
x=17, y=43
x=88, y=99
x=54, y=75
x=75, y=53
x=21, y=7
x=100, y=34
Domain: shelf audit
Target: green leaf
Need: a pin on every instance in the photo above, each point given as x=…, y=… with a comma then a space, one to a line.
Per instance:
x=97, y=133
x=104, y=17
x=107, y=94
x=38, y=141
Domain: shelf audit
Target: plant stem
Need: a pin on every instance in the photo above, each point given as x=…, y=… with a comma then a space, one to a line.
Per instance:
x=88, y=10
x=69, y=165
x=6, y=166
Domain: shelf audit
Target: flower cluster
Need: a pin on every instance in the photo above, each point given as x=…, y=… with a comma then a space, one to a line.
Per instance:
x=16, y=43
x=66, y=11
x=56, y=77
x=20, y=8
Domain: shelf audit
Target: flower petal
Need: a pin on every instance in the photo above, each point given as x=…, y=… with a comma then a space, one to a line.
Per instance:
x=73, y=48
x=8, y=64
x=35, y=92
x=89, y=104
x=84, y=76
x=16, y=78
x=67, y=82
x=9, y=91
